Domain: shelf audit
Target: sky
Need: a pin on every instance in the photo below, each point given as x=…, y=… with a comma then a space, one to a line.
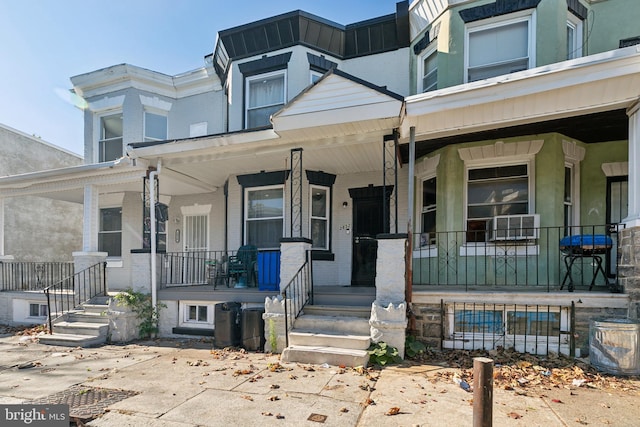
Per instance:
x=43, y=43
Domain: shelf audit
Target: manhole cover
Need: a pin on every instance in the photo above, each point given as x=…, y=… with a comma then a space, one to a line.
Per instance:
x=318, y=418
x=86, y=402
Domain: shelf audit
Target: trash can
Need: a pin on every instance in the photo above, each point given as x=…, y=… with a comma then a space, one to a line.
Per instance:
x=268, y=270
x=227, y=324
x=614, y=345
x=252, y=327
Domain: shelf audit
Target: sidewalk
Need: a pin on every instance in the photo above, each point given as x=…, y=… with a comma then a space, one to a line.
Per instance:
x=187, y=383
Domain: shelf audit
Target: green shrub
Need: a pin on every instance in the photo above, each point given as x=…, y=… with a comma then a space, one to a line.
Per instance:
x=141, y=305
x=413, y=347
x=383, y=354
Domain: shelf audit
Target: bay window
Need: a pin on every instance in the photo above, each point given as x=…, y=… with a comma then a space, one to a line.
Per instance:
x=428, y=70
x=110, y=143
x=265, y=94
x=499, y=47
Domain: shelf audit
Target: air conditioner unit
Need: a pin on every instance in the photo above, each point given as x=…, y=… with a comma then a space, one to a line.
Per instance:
x=514, y=227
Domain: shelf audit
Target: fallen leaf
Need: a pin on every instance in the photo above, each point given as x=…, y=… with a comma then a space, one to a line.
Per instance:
x=247, y=397
x=393, y=411
x=273, y=398
x=279, y=416
x=343, y=409
x=514, y=415
x=557, y=401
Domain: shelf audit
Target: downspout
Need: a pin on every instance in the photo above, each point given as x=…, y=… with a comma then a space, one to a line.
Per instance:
x=409, y=288
x=152, y=213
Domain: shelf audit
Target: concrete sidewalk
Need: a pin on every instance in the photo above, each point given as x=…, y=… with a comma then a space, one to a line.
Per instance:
x=187, y=383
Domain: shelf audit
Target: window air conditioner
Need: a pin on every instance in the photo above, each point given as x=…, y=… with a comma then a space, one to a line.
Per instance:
x=514, y=227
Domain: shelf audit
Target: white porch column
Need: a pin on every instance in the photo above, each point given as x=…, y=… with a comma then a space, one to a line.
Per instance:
x=91, y=219
x=633, y=218
x=293, y=254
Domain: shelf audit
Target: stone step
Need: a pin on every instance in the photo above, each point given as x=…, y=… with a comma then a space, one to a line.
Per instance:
x=328, y=339
x=71, y=340
x=324, y=354
x=333, y=324
x=95, y=308
x=87, y=317
x=81, y=328
x=338, y=310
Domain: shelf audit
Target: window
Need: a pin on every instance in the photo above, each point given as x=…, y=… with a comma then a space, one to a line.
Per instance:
x=264, y=217
x=428, y=69
x=574, y=36
x=265, y=94
x=155, y=127
x=38, y=310
x=568, y=199
x=197, y=314
x=314, y=76
x=428, y=218
x=319, y=222
x=110, y=234
x=501, y=47
x=110, y=144
x=498, y=190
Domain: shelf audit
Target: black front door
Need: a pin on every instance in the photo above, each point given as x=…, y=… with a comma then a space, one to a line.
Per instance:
x=617, y=210
x=368, y=222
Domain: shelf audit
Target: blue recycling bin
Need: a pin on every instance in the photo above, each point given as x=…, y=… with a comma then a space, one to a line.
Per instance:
x=269, y=270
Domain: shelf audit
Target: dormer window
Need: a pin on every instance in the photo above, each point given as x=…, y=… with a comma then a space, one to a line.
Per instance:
x=265, y=94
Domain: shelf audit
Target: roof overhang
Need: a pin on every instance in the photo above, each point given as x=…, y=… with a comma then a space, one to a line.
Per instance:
x=590, y=85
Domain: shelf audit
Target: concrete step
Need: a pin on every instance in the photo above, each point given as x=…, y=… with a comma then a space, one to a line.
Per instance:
x=333, y=324
x=323, y=354
x=328, y=339
x=81, y=328
x=339, y=310
x=95, y=308
x=87, y=317
x=72, y=340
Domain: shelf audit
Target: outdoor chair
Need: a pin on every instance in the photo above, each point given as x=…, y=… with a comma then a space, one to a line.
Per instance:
x=243, y=266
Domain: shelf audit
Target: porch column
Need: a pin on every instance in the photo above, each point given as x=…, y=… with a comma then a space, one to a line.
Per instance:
x=389, y=311
x=293, y=253
x=629, y=237
x=91, y=219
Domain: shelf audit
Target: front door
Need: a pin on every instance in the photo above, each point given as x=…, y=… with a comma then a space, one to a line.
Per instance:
x=617, y=210
x=195, y=248
x=368, y=222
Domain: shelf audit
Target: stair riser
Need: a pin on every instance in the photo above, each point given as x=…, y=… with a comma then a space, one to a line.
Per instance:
x=303, y=356
x=61, y=341
x=100, y=331
x=353, y=326
x=329, y=341
x=322, y=311
x=95, y=309
x=86, y=318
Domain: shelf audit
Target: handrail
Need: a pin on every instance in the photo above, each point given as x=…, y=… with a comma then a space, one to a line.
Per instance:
x=301, y=293
x=70, y=292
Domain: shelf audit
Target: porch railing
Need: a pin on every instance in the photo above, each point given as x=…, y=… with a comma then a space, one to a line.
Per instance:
x=213, y=268
x=297, y=293
x=475, y=260
x=71, y=292
x=534, y=329
x=32, y=276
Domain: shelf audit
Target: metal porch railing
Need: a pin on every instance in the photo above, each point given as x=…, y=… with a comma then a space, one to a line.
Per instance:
x=535, y=329
x=537, y=261
x=70, y=293
x=32, y=276
x=297, y=293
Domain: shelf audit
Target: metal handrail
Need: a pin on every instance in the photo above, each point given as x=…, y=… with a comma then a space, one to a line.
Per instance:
x=300, y=289
x=32, y=276
x=71, y=292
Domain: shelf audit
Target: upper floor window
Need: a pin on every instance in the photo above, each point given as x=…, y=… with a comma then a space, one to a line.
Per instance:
x=428, y=71
x=265, y=94
x=264, y=216
x=155, y=127
x=499, y=47
x=314, y=76
x=110, y=143
x=110, y=233
x=319, y=222
x=574, y=36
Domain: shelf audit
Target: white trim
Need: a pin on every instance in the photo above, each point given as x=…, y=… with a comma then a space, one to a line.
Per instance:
x=573, y=155
x=102, y=106
x=183, y=312
x=528, y=16
x=198, y=129
x=155, y=103
x=487, y=155
x=195, y=210
x=577, y=25
x=615, y=169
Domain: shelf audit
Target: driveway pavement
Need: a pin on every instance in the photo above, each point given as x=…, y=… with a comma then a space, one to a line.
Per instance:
x=189, y=383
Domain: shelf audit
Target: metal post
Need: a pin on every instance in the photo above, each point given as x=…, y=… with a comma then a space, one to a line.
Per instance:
x=482, y=392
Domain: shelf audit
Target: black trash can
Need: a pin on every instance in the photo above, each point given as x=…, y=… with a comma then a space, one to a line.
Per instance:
x=227, y=324
x=252, y=327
